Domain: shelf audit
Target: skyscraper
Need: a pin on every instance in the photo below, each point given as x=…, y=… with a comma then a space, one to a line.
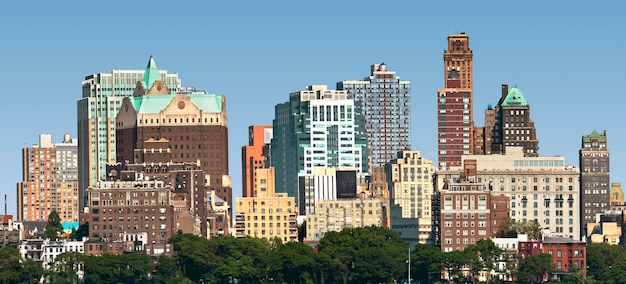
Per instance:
x=458, y=57
x=317, y=127
x=386, y=104
x=253, y=156
x=513, y=125
x=50, y=180
x=194, y=123
x=455, y=122
x=594, y=177
x=101, y=100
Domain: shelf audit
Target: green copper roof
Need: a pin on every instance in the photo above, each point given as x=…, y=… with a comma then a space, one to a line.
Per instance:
x=207, y=102
x=151, y=74
x=594, y=134
x=156, y=103
x=514, y=98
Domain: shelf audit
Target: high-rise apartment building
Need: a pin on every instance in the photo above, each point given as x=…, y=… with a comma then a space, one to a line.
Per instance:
x=409, y=177
x=268, y=214
x=458, y=57
x=513, y=125
x=102, y=95
x=455, y=122
x=50, y=180
x=316, y=128
x=194, y=123
x=253, y=156
x=594, y=158
x=386, y=104
x=541, y=189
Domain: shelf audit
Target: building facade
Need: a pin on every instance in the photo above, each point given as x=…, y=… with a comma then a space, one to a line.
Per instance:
x=253, y=156
x=268, y=214
x=329, y=184
x=513, y=125
x=468, y=212
x=136, y=205
x=568, y=255
x=541, y=189
x=50, y=180
x=386, y=102
x=194, y=123
x=455, y=122
x=316, y=128
x=335, y=215
x=594, y=156
x=616, y=196
x=459, y=57
x=102, y=95
x=410, y=185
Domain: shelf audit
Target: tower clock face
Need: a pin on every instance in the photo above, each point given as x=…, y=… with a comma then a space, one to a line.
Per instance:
x=181, y=105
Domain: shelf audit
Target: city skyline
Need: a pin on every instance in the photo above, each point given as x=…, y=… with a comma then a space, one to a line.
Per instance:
x=256, y=54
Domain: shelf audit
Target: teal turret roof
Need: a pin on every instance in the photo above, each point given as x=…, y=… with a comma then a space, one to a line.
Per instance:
x=156, y=103
x=514, y=98
x=151, y=74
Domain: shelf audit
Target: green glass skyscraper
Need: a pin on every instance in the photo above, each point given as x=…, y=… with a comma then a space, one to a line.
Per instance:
x=316, y=128
x=101, y=100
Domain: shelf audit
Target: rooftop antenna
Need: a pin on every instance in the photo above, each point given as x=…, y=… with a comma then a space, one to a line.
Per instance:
x=5, y=204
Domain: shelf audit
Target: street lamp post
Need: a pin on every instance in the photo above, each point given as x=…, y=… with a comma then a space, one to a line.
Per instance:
x=409, y=275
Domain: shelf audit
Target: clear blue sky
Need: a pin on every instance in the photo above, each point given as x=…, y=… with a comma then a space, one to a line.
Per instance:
x=565, y=56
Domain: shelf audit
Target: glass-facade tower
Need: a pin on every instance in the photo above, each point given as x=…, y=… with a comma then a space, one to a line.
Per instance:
x=316, y=128
x=101, y=100
x=387, y=111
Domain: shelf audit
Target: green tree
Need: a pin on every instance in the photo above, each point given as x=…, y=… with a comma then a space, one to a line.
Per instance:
x=193, y=255
x=166, y=271
x=9, y=265
x=535, y=268
x=293, y=262
x=426, y=263
x=14, y=269
x=510, y=228
x=454, y=262
x=123, y=268
x=302, y=232
x=243, y=260
x=601, y=258
x=348, y=252
x=65, y=268
x=54, y=228
x=488, y=255
x=83, y=231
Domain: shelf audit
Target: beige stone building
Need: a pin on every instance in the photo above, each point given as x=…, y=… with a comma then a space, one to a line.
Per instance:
x=543, y=189
x=605, y=232
x=268, y=215
x=335, y=215
x=409, y=177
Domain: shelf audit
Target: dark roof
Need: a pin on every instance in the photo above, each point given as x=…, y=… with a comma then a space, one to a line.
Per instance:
x=557, y=240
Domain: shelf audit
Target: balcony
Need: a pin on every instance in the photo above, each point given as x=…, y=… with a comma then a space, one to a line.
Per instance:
x=239, y=220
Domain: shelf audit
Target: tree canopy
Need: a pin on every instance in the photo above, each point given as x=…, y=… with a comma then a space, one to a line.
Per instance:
x=54, y=228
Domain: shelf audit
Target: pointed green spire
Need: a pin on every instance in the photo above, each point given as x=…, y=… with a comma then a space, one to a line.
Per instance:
x=151, y=74
x=514, y=98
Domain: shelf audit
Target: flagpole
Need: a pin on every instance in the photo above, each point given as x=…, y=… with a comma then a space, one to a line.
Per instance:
x=409, y=263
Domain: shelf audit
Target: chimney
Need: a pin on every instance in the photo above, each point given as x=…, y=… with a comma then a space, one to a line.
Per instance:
x=505, y=90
